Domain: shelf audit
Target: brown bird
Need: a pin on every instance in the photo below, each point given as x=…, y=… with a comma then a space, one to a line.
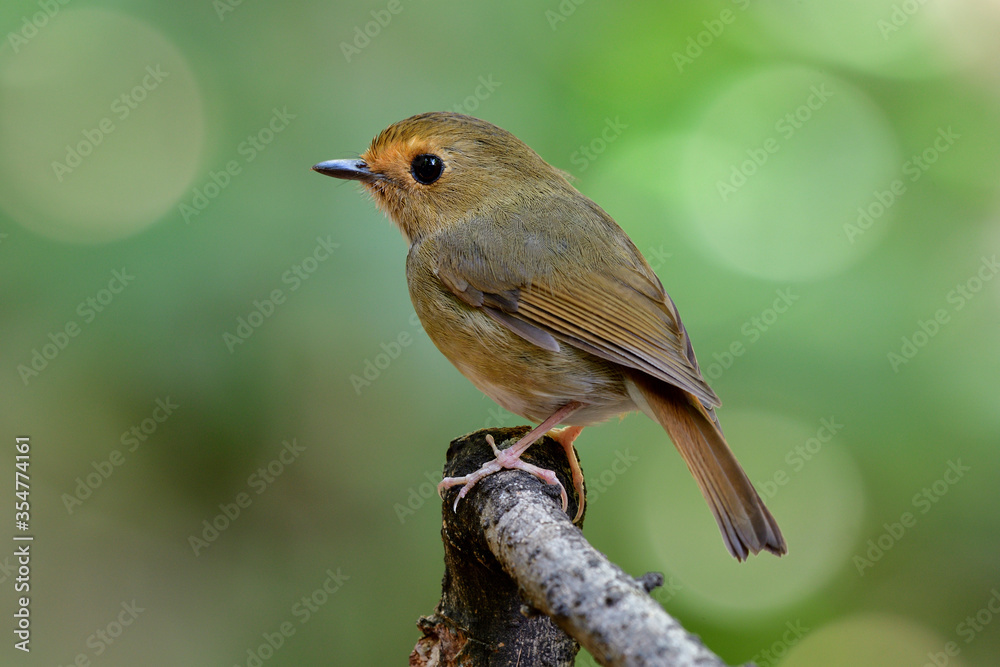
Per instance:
x=538, y=297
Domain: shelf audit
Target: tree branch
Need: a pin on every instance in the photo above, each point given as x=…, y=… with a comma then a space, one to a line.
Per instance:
x=510, y=550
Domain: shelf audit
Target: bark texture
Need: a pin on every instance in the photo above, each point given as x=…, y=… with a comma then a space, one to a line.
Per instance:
x=522, y=586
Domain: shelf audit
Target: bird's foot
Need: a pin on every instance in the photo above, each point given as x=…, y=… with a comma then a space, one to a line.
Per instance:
x=510, y=459
x=565, y=437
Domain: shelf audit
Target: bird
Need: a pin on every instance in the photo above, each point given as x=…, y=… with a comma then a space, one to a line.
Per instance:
x=544, y=303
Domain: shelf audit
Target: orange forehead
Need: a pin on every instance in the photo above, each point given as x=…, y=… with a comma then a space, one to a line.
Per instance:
x=395, y=151
x=425, y=133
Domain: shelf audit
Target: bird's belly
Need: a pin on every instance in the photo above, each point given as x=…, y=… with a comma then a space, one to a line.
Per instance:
x=539, y=403
x=520, y=376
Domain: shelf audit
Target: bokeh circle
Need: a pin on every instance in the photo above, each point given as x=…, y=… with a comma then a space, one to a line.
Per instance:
x=101, y=127
x=809, y=481
x=789, y=174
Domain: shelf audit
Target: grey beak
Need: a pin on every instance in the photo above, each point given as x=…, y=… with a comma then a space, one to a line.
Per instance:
x=350, y=170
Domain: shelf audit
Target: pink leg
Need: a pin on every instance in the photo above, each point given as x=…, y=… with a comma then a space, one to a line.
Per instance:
x=511, y=458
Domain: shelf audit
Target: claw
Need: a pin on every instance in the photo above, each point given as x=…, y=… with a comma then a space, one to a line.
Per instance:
x=565, y=437
x=506, y=459
x=510, y=458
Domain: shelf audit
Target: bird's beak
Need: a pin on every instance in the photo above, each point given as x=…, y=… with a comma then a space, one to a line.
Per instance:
x=349, y=170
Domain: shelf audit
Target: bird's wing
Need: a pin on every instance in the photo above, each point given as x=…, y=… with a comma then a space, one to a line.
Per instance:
x=615, y=309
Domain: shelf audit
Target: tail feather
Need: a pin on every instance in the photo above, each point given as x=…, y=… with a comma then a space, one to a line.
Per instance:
x=746, y=524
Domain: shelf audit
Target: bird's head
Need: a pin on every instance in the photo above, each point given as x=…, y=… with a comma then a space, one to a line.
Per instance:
x=436, y=169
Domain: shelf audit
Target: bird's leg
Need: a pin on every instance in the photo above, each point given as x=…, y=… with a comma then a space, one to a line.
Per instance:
x=511, y=458
x=565, y=437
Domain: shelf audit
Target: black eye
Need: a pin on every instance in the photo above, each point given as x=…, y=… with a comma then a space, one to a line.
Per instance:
x=426, y=168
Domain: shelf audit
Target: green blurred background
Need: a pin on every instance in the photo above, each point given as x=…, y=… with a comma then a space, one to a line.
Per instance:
x=815, y=183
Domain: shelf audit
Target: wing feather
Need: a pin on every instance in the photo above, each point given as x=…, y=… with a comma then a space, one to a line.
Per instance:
x=620, y=312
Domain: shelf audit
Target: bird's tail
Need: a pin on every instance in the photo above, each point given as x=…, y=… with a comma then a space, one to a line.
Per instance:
x=746, y=524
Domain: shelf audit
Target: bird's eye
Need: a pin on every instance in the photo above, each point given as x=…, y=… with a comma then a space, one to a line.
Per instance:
x=426, y=168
